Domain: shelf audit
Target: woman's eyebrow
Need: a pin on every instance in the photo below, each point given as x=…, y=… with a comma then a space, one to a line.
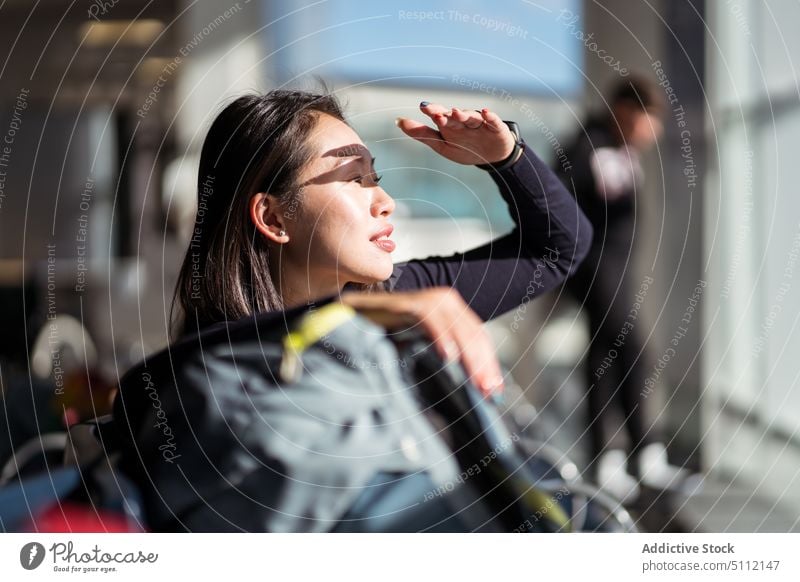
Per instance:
x=347, y=152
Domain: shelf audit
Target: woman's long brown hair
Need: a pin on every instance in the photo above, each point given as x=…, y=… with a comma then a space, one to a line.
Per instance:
x=258, y=143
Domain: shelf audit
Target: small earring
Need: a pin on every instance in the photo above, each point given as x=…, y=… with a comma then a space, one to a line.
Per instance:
x=282, y=233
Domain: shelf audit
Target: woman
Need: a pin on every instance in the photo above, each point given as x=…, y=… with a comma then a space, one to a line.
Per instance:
x=291, y=212
x=291, y=216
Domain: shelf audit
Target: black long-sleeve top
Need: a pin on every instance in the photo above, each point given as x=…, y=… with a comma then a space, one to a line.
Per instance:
x=550, y=239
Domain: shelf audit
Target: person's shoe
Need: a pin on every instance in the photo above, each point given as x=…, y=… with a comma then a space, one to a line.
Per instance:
x=613, y=478
x=656, y=472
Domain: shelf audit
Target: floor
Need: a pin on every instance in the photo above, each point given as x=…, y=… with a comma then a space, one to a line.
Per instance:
x=717, y=505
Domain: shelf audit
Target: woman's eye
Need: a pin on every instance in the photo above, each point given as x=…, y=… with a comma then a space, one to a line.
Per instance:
x=360, y=179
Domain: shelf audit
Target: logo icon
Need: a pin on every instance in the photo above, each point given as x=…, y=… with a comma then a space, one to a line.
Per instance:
x=31, y=555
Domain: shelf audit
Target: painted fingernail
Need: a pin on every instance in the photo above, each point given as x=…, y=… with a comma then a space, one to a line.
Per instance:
x=424, y=103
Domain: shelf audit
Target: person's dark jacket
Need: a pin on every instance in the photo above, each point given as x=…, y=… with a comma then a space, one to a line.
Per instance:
x=612, y=219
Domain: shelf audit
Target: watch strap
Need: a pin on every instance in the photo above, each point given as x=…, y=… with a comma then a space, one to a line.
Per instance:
x=515, y=153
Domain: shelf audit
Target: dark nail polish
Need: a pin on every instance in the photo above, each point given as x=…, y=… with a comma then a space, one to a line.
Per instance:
x=424, y=103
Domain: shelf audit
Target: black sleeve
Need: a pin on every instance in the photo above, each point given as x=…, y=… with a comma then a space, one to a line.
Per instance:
x=550, y=239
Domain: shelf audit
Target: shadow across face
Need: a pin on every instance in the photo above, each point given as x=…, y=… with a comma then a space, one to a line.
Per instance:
x=344, y=163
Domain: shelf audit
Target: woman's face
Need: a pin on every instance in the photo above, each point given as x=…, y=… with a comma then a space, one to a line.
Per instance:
x=340, y=230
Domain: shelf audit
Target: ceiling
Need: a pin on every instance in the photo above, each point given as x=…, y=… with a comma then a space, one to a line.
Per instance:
x=56, y=50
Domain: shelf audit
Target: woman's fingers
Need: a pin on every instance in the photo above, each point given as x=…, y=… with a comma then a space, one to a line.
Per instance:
x=463, y=136
x=442, y=120
x=431, y=109
x=455, y=118
x=440, y=115
x=469, y=119
x=493, y=120
x=460, y=116
x=421, y=132
x=416, y=129
x=455, y=331
x=477, y=353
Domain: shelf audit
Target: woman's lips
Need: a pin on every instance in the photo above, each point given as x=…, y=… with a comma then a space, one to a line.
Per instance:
x=385, y=244
x=381, y=238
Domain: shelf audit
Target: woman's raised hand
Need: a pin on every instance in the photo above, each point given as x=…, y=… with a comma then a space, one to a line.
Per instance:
x=456, y=331
x=464, y=137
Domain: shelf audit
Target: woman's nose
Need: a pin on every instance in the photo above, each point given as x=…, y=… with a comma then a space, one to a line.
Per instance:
x=383, y=204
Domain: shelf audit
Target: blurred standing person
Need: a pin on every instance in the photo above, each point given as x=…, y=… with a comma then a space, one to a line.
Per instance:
x=604, y=176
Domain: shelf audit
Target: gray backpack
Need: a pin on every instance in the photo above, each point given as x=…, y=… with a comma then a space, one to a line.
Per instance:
x=323, y=423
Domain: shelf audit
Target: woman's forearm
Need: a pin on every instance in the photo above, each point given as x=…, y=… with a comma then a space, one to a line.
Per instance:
x=551, y=238
x=549, y=222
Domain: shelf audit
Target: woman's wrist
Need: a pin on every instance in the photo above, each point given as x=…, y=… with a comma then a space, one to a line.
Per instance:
x=513, y=157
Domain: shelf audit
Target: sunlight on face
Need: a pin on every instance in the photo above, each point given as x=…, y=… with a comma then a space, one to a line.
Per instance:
x=342, y=227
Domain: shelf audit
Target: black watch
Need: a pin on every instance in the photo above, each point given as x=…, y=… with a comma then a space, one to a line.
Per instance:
x=509, y=161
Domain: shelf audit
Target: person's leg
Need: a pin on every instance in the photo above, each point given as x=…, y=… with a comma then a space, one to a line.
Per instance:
x=611, y=461
x=635, y=364
x=599, y=382
x=608, y=304
x=608, y=465
x=647, y=443
x=584, y=288
x=605, y=301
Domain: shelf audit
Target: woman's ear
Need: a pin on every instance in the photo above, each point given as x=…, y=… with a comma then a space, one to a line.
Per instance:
x=266, y=214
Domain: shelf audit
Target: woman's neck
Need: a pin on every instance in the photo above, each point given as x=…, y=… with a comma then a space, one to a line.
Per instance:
x=301, y=288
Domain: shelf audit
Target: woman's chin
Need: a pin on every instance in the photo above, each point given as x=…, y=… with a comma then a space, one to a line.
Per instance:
x=386, y=273
x=375, y=276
